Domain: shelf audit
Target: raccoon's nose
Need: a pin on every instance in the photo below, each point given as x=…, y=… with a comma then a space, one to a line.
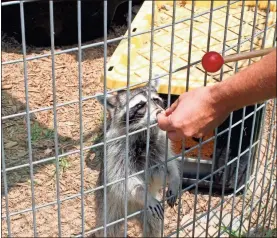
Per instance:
x=158, y=111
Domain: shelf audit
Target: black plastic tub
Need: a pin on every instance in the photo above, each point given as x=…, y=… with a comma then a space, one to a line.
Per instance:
x=190, y=166
x=37, y=20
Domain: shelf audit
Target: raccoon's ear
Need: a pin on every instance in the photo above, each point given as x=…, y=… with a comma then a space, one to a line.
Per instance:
x=154, y=83
x=111, y=100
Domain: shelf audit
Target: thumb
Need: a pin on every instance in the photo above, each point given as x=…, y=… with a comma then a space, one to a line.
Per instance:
x=164, y=122
x=175, y=135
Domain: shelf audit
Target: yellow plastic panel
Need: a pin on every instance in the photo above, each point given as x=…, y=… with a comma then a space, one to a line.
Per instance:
x=262, y=4
x=140, y=45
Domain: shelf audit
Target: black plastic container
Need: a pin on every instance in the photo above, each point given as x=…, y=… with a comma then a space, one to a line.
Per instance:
x=190, y=167
x=37, y=20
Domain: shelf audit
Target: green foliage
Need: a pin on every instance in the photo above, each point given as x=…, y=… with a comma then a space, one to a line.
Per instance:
x=63, y=163
x=231, y=233
x=269, y=233
x=39, y=133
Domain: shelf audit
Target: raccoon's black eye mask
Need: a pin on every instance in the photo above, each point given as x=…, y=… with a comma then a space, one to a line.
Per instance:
x=137, y=112
x=140, y=105
x=158, y=102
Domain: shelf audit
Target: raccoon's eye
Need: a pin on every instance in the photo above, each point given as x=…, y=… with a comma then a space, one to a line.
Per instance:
x=140, y=105
x=137, y=111
x=158, y=101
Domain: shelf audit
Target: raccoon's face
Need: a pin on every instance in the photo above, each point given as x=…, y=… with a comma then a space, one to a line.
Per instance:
x=137, y=106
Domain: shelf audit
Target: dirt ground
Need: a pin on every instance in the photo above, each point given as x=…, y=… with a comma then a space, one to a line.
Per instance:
x=42, y=130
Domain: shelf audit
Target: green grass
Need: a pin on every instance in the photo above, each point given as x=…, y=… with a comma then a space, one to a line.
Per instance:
x=231, y=233
x=39, y=133
x=64, y=164
x=269, y=233
x=29, y=182
x=102, y=117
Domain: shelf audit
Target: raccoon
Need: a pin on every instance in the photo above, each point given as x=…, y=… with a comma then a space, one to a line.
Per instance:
x=115, y=167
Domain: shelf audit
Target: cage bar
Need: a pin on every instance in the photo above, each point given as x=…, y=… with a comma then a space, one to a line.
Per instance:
x=5, y=186
x=55, y=116
x=105, y=116
x=267, y=151
x=81, y=115
x=253, y=150
x=127, y=119
x=243, y=118
x=273, y=161
x=28, y=115
x=168, y=105
x=253, y=127
x=148, y=121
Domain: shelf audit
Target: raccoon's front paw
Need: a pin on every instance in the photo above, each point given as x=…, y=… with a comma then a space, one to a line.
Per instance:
x=172, y=192
x=156, y=209
x=171, y=197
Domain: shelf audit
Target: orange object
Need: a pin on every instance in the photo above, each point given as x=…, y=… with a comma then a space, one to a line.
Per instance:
x=206, y=149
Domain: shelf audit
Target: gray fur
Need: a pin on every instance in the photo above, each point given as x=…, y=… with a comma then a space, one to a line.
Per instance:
x=116, y=154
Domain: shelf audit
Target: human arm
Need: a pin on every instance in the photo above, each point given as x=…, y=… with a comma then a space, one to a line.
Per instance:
x=199, y=111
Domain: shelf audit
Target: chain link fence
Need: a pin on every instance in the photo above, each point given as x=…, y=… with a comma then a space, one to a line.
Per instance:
x=50, y=125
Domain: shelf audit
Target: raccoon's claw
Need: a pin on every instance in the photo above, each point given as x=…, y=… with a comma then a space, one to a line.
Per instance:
x=156, y=209
x=171, y=198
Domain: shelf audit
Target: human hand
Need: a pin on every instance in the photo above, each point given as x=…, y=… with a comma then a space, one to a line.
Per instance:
x=193, y=114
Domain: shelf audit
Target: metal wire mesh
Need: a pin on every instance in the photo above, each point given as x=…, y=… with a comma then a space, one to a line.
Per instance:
x=258, y=192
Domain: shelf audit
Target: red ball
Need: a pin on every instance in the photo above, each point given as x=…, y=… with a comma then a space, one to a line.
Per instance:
x=212, y=61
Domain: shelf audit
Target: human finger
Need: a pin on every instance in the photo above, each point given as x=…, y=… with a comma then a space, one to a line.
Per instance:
x=175, y=135
x=172, y=108
x=164, y=122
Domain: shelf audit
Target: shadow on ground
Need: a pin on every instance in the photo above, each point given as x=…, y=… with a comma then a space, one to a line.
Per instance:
x=42, y=140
